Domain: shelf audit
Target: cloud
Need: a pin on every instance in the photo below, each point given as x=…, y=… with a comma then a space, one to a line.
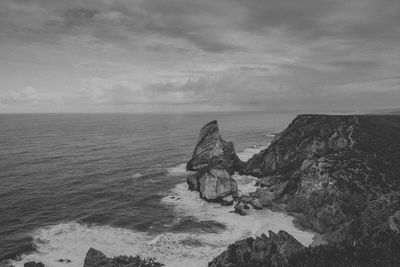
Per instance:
x=108, y=92
x=28, y=95
x=276, y=54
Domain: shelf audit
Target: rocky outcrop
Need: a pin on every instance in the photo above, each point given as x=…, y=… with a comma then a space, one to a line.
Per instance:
x=338, y=174
x=274, y=250
x=378, y=249
x=211, y=148
x=214, y=184
x=214, y=160
x=330, y=168
x=33, y=264
x=96, y=258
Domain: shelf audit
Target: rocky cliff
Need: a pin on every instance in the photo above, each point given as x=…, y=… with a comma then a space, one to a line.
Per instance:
x=340, y=175
x=331, y=168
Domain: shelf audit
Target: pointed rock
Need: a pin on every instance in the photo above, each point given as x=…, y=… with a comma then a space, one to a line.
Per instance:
x=211, y=148
x=95, y=258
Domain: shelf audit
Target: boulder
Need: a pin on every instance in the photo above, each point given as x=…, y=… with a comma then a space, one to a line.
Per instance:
x=274, y=250
x=193, y=181
x=269, y=180
x=33, y=264
x=64, y=260
x=264, y=197
x=240, y=208
x=227, y=201
x=96, y=258
x=256, y=204
x=211, y=148
x=216, y=183
x=394, y=222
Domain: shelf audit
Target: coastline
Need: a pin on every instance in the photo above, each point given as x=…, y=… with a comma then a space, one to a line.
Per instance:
x=136, y=243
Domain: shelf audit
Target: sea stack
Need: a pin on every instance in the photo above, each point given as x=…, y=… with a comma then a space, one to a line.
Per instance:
x=214, y=160
x=212, y=149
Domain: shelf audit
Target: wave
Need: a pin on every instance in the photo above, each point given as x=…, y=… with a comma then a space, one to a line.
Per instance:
x=189, y=203
x=247, y=153
x=137, y=175
x=178, y=170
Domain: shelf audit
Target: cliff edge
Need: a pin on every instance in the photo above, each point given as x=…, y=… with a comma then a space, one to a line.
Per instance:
x=340, y=176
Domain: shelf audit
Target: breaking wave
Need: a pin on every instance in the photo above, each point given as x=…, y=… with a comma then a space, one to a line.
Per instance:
x=200, y=231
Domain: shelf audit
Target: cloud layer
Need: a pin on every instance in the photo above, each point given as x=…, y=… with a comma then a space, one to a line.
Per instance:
x=148, y=55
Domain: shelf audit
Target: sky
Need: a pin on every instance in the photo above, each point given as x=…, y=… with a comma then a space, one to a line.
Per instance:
x=199, y=55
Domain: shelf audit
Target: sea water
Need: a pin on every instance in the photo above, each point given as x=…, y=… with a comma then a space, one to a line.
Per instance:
x=116, y=182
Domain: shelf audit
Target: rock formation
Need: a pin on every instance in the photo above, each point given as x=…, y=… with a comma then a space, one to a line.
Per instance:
x=211, y=148
x=33, y=264
x=261, y=251
x=329, y=168
x=214, y=160
x=214, y=184
x=96, y=258
x=340, y=175
x=282, y=250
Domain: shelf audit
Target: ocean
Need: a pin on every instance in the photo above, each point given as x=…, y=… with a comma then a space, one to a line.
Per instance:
x=116, y=182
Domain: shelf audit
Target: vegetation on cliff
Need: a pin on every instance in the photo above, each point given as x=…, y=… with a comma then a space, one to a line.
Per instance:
x=340, y=175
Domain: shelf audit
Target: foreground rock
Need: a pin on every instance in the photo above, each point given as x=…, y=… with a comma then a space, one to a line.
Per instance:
x=240, y=208
x=96, y=258
x=282, y=250
x=215, y=184
x=274, y=250
x=332, y=169
x=211, y=148
x=33, y=264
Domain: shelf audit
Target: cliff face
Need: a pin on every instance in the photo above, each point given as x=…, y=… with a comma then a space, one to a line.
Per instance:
x=211, y=148
x=331, y=167
x=341, y=176
x=282, y=250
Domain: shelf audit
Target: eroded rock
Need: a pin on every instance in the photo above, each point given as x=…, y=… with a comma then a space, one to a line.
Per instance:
x=333, y=166
x=216, y=184
x=212, y=149
x=33, y=264
x=274, y=250
x=96, y=258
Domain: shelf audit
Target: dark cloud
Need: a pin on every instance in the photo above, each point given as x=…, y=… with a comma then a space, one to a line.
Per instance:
x=204, y=23
x=310, y=19
x=283, y=54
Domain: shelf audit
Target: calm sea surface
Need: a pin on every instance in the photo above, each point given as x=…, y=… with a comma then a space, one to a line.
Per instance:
x=116, y=182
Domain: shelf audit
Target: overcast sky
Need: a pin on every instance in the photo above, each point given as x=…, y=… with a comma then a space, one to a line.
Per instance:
x=189, y=55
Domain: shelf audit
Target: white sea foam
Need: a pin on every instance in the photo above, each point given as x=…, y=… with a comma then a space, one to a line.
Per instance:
x=188, y=203
x=177, y=170
x=72, y=240
x=246, y=183
x=137, y=175
x=247, y=153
